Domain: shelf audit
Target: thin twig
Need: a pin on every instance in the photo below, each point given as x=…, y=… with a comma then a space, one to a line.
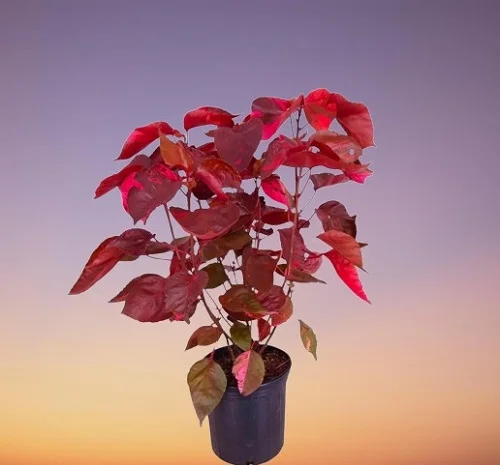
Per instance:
x=214, y=318
x=169, y=220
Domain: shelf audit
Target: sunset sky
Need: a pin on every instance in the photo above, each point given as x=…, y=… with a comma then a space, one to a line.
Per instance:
x=413, y=379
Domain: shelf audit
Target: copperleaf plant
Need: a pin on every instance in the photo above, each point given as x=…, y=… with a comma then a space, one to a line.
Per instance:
x=231, y=201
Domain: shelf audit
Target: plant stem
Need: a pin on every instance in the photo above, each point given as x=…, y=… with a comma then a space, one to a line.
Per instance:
x=169, y=220
x=263, y=348
x=214, y=318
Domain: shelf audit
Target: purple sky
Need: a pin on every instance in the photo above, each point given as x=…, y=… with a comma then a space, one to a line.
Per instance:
x=78, y=76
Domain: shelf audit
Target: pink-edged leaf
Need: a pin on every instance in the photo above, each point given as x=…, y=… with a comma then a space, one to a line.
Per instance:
x=308, y=339
x=241, y=335
x=137, y=164
x=242, y=303
x=346, y=147
x=100, y=263
x=182, y=291
x=276, y=190
x=358, y=172
x=141, y=137
x=249, y=370
x=204, y=116
x=283, y=314
x=273, y=111
x=144, y=299
x=345, y=244
x=208, y=223
x=320, y=108
x=298, y=276
x=207, y=384
x=216, y=174
x=264, y=329
x=237, y=145
x=272, y=300
x=333, y=215
x=134, y=241
x=327, y=179
x=218, y=248
x=274, y=156
x=300, y=258
x=258, y=269
x=347, y=272
x=175, y=155
x=204, y=336
x=355, y=119
x=149, y=189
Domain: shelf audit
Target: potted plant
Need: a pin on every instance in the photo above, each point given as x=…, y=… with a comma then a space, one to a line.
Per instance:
x=227, y=264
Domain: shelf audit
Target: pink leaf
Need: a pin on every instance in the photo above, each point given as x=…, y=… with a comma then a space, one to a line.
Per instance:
x=333, y=215
x=249, y=370
x=273, y=299
x=273, y=112
x=346, y=147
x=182, y=291
x=298, y=259
x=208, y=223
x=237, y=145
x=283, y=314
x=217, y=174
x=274, y=156
x=344, y=244
x=276, y=190
x=141, y=137
x=347, y=272
x=208, y=115
x=149, y=189
x=327, y=179
x=133, y=241
x=264, y=329
x=320, y=108
x=258, y=269
x=137, y=164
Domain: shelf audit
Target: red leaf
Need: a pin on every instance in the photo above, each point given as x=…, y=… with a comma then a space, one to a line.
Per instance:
x=204, y=116
x=275, y=216
x=344, y=244
x=146, y=279
x=333, y=215
x=137, y=164
x=208, y=223
x=133, y=241
x=355, y=119
x=100, y=263
x=149, y=189
x=346, y=147
x=249, y=370
x=298, y=259
x=264, y=329
x=347, y=272
x=276, y=190
x=272, y=300
x=242, y=303
x=327, y=179
x=175, y=155
x=320, y=108
x=204, y=336
x=274, y=156
x=284, y=313
x=141, y=137
x=217, y=174
x=237, y=145
x=273, y=112
x=258, y=269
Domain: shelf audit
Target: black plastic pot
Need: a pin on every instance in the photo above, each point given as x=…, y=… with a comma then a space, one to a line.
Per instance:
x=250, y=430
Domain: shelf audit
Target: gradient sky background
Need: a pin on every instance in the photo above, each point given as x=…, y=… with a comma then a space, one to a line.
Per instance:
x=412, y=380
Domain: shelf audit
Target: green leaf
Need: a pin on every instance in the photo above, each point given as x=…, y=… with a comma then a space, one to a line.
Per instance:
x=207, y=383
x=297, y=275
x=216, y=275
x=204, y=336
x=241, y=299
x=241, y=335
x=249, y=369
x=218, y=248
x=308, y=339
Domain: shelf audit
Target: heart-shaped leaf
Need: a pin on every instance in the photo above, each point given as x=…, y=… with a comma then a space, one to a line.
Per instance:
x=204, y=336
x=207, y=384
x=308, y=339
x=216, y=275
x=237, y=145
x=344, y=244
x=264, y=329
x=347, y=272
x=141, y=137
x=207, y=223
x=333, y=215
x=175, y=155
x=218, y=248
x=241, y=335
x=320, y=108
x=249, y=370
x=204, y=116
